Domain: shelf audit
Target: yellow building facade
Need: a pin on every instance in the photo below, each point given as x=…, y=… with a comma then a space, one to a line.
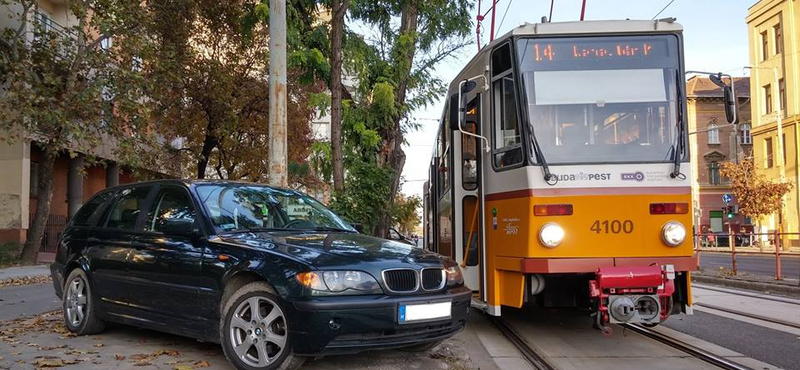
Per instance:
x=773, y=28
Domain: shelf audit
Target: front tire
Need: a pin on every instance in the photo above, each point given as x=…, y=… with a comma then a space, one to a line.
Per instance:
x=254, y=330
x=80, y=315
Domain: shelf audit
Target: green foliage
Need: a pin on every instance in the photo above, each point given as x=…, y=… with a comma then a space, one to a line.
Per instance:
x=366, y=187
x=405, y=216
x=9, y=253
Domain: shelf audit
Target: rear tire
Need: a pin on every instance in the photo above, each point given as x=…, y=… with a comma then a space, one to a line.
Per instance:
x=422, y=347
x=254, y=330
x=80, y=315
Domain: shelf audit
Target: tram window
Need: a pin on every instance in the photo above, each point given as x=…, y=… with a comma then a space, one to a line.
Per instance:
x=470, y=147
x=471, y=230
x=507, y=135
x=444, y=159
x=501, y=60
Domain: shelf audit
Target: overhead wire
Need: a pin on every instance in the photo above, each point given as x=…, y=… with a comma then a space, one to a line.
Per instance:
x=504, y=14
x=663, y=9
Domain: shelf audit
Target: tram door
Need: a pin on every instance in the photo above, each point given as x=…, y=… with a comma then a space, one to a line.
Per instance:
x=467, y=238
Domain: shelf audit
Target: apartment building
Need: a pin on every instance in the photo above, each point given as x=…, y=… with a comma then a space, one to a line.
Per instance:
x=713, y=141
x=773, y=30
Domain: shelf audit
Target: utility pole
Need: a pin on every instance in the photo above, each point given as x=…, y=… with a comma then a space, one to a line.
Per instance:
x=277, y=94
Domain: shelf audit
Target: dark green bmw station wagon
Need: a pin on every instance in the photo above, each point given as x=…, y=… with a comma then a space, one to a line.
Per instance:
x=270, y=274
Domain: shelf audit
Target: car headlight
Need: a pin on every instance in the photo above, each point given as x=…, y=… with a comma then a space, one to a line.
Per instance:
x=454, y=276
x=551, y=235
x=339, y=281
x=673, y=233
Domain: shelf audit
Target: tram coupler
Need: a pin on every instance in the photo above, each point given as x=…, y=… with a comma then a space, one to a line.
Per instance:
x=635, y=295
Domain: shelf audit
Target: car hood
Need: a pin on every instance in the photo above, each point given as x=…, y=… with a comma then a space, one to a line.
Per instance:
x=335, y=249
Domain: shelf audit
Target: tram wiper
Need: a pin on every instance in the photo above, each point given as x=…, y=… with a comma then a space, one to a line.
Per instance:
x=549, y=178
x=676, y=168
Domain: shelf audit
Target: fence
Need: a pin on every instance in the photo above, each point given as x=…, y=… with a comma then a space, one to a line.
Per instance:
x=749, y=243
x=52, y=231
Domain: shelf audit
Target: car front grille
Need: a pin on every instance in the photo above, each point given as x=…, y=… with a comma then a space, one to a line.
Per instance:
x=396, y=337
x=400, y=280
x=432, y=279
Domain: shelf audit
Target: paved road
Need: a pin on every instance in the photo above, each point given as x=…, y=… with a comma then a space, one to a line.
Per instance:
x=755, y=265
x=27, y=300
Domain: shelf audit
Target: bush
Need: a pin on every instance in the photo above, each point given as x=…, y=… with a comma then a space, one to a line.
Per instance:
x=9, y=253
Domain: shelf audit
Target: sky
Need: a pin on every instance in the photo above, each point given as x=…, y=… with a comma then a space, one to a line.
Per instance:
x=715, y=39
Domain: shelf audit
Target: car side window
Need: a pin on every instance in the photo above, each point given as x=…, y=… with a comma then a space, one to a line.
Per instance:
x=172, y=208
x=127, y=208
x=84, y=215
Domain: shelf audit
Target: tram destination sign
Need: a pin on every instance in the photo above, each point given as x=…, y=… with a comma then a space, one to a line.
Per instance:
x=564, y=50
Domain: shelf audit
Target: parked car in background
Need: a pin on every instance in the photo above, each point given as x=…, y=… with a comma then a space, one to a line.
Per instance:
x=270, y=274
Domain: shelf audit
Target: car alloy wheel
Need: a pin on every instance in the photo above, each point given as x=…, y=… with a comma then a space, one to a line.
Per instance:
x=257, y=331
x=75, y=301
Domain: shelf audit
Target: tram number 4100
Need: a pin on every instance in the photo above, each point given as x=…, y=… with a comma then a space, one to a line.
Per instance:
x=612, y=226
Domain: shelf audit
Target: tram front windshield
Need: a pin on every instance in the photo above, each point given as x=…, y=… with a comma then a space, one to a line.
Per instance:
x=602, y=99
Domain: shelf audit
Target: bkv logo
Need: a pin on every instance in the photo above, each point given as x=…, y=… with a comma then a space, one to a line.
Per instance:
x=511, y=229
x=635, y=176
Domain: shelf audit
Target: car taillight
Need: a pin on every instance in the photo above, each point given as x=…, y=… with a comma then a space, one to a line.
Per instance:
x=552, y=210
x=669, y=208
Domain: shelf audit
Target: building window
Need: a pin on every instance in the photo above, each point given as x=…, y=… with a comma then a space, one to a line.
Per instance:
x=776, y=30
x=764, y=45
x=106, y=43
x=782, y=95
x=713, y=134
x=768, y=153
x=713, y=173
x=745, y=137
x=767, y=99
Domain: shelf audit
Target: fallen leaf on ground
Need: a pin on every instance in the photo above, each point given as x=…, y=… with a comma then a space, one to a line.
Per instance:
x=98, y=345
x=49, y=362
x=202, y=363
x=119, y=357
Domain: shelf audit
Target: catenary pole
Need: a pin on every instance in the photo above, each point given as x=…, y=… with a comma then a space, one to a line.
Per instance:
x=277, y=93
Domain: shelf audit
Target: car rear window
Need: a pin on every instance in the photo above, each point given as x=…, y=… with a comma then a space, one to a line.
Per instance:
x=84, y=215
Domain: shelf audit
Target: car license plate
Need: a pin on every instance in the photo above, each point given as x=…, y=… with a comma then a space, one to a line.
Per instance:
x=424, y=312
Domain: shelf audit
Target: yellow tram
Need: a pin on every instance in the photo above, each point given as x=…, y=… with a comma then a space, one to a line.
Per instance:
x=560, y=174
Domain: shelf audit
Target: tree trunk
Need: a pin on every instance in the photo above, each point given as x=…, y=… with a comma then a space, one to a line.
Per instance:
x=338, y=10
x=209, y=144
x=45, y=187
x=394, y=156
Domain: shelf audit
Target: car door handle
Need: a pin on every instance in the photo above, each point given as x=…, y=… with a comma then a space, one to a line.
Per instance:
x=92, y=239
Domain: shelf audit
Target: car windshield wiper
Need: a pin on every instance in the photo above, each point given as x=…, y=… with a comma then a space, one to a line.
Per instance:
x=257, y=229
x=549, y=178
x=326, y=228
x=676, y=164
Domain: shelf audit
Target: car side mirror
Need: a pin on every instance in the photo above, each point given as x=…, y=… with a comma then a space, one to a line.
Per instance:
x=180, y=227
x=731, y=108
x=359, y=227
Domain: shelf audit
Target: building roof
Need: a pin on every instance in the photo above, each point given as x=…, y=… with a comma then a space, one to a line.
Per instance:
x=702, y=87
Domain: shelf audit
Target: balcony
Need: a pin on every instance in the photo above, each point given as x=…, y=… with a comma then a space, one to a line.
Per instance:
x=45, y=26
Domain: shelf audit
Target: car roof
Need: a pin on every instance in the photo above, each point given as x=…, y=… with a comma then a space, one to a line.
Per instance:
x=190, y=182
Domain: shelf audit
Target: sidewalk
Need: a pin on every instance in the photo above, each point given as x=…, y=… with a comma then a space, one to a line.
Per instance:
x=24, y=272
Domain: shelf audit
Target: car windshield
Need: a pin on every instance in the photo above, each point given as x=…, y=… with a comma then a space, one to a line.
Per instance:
x=602, y=99
x=242, y=207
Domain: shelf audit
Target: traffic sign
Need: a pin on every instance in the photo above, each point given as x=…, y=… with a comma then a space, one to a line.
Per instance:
x=727, y=198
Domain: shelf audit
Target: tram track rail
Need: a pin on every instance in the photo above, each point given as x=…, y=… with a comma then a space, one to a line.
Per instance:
x=749, y=315
x=536, y=359
x=706, y=356
x=748, y=294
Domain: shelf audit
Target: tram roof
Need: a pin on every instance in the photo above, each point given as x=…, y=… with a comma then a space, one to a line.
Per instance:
x=604, y=27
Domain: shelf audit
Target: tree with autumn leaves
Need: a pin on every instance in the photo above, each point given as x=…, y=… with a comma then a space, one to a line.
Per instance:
x=757, y=195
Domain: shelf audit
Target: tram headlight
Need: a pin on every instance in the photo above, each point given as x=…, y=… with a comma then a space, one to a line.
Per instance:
x=673, y=233
x=551, y=235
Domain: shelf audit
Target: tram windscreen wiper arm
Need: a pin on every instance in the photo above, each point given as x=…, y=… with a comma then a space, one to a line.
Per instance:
x=537, y=150
x=676, y=168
